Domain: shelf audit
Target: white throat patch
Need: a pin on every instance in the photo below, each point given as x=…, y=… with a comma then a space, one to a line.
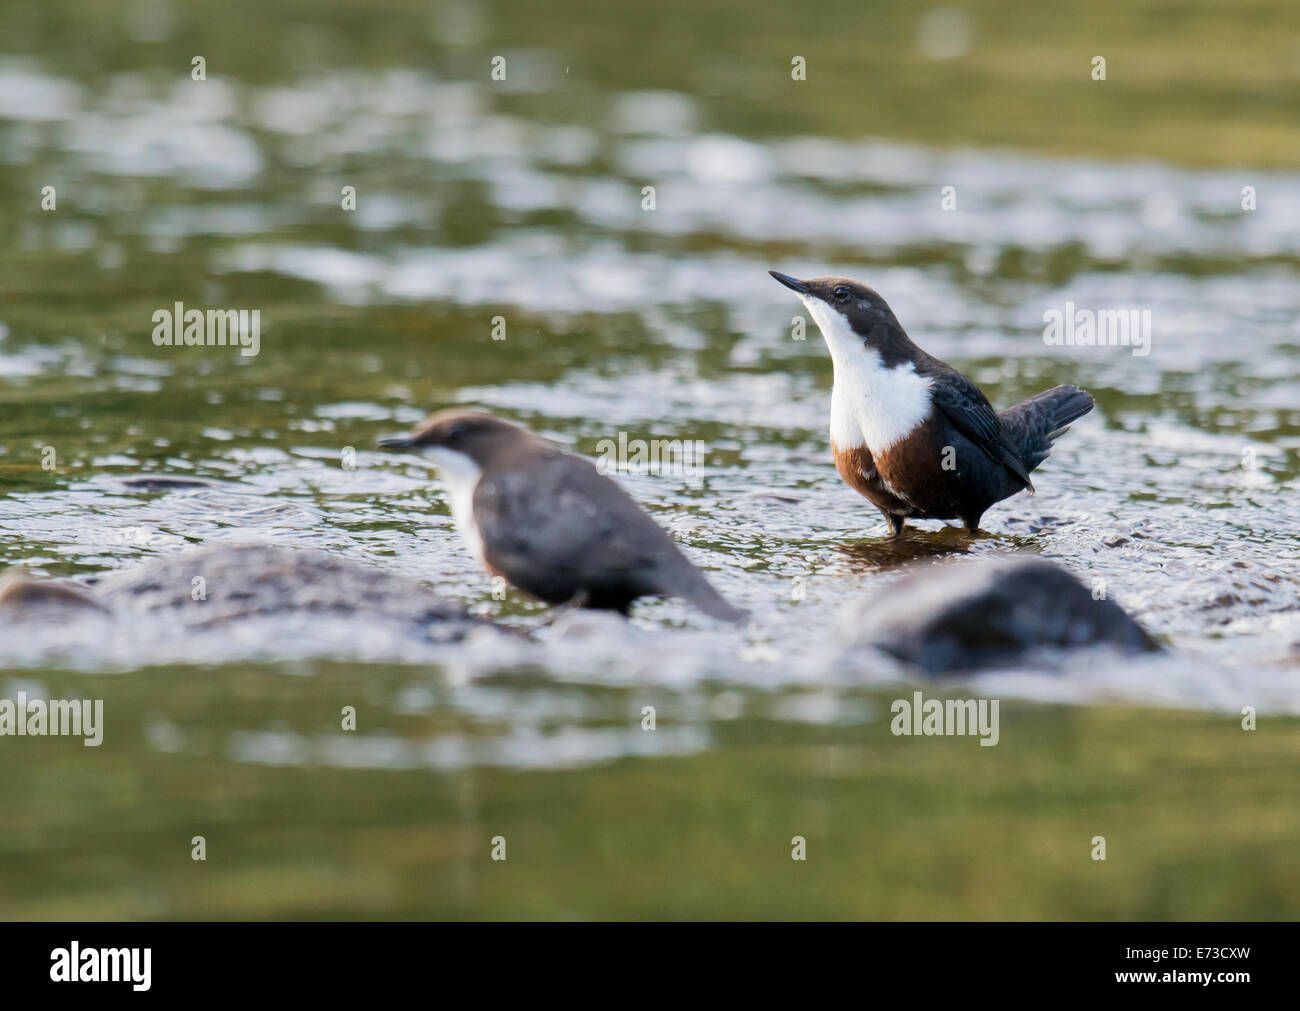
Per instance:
x=460, y=474
x=871, y=405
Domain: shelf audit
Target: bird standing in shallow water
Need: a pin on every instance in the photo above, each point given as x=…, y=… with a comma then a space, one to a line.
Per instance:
x=910, y=432
x=549, y=522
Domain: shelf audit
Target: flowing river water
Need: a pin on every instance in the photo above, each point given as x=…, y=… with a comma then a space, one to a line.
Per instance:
x=520, y=212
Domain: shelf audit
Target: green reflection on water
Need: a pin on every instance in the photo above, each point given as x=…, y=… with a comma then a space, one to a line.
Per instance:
x=1199, y=817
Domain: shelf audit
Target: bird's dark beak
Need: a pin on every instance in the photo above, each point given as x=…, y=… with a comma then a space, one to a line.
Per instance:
x=793, y=283
x=395, y=442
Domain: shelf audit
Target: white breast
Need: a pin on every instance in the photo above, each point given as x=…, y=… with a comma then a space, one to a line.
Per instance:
x=871, y=405
x=460, y=474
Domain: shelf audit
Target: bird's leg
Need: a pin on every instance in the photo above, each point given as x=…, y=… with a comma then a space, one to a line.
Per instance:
x=578, y=600
x=972, y=524
x=895, y=523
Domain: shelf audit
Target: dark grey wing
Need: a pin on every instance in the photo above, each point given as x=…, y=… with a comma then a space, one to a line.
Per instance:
x=970, y=412
x=563, y=526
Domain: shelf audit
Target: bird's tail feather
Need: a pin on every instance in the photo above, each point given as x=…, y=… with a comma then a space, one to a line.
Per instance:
x=701, y=593
x=1032, y=426
x=1073, y=406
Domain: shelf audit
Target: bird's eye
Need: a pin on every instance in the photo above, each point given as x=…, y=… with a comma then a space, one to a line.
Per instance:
x=455, y=433
x=841, y=293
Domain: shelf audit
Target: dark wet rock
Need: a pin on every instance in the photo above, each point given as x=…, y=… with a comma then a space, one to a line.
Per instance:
x=968, y=615
x=299, y=594
x=153, y=484
x=222, y=584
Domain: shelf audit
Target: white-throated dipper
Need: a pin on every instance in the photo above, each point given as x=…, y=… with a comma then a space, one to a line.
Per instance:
x=910, y=432
x=550, y=523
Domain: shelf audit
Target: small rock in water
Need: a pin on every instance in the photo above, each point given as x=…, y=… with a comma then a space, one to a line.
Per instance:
x=153, y=484
x=212, y=588
x=962, y=616
x=216, y=585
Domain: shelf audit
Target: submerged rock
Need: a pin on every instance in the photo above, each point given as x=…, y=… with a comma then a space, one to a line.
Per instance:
x=963, y=616
x=158, y=483
x=218, y=586
x=23, y=598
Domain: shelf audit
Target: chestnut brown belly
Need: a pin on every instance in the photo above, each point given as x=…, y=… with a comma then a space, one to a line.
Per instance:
x=920, y=476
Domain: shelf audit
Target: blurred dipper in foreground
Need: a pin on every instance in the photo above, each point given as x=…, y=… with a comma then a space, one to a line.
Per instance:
x=910, y=432
x=550, y=523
